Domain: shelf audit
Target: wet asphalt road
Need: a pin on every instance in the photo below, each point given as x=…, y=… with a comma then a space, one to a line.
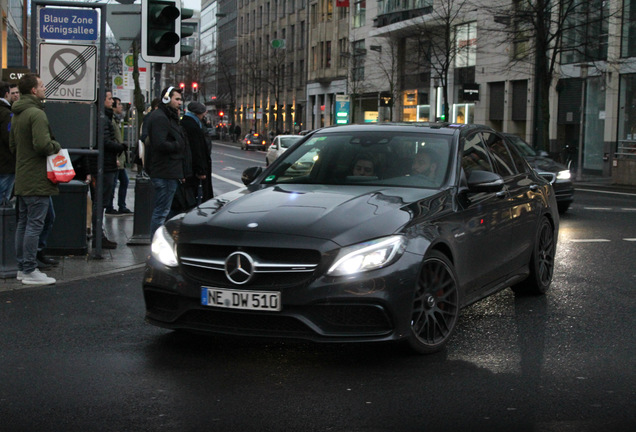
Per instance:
x=79, y=357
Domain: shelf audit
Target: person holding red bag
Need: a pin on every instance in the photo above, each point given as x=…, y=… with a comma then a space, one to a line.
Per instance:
x=31, y=142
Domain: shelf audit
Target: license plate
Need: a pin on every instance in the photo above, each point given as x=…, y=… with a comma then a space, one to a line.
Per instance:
x=241, y=299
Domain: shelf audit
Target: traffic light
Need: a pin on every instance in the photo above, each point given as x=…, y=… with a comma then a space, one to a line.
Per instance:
x=221, y=114
x=182, y=86
x=195, y=87
x=162, y=30
x=186, y=30
x=160, y=22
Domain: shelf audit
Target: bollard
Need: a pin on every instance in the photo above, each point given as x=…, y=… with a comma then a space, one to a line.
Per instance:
x=68, y=235
x=8, y=264
x=144, y=197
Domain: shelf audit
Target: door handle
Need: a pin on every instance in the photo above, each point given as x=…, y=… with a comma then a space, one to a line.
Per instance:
x=501, y=194
x=534, y=187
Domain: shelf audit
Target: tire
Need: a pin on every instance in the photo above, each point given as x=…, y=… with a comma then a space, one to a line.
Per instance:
x=541, y=262
x=563, y=207
x=435, y=305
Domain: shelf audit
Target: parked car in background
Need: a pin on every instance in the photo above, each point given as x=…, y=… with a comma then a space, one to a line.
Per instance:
x=315, y=248
x=558, y=174
x=213, y=134
x=254, y=141
x=279, y=145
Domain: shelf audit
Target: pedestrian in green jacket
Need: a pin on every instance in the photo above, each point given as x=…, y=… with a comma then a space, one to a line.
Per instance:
x=31, y=142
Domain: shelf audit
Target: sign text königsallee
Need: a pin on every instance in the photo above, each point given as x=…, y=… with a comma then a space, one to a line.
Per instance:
x=68, y=24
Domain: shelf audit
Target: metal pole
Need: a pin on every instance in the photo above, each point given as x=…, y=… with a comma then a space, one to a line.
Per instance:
x=579, y=162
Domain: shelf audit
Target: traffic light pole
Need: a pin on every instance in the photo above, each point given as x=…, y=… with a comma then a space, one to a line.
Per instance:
x=157, y=72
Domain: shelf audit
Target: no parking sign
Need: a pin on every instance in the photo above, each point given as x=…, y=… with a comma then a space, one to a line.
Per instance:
x=69, y=72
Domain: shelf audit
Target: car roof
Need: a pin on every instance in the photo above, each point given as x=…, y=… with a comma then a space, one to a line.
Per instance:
x=436, y=128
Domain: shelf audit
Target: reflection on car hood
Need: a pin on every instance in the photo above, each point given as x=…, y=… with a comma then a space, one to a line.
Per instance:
x=545, y=164
x=342, y=214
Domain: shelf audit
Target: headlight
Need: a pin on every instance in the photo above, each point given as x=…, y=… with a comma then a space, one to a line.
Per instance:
x=367, y=256
x=163, y=248
x=564, y=175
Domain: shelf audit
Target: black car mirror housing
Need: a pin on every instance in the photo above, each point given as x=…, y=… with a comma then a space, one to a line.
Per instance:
x=250, y=174
x=485, y=181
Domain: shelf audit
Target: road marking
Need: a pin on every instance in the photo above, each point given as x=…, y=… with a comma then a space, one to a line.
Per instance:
x=589, y=240
x=598, y=208
x=630, y=239
x=227, y=180
x=629, y=209
x=605, y=192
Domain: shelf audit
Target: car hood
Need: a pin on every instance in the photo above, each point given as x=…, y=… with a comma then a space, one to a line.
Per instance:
x=541, y=163
x=342, y=214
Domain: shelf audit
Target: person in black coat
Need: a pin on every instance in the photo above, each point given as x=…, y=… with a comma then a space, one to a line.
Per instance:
x=165, y=160
x=194, y=128
x=112, y=148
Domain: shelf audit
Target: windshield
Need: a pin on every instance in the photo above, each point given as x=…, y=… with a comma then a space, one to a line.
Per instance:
x=366, y=158
x=523, y=147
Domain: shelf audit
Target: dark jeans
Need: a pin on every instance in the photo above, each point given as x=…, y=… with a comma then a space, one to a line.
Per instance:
x=164, y=193
x=109, y=180
x=48, y=226
x=32, y=211
x=122, y=176
x=6, y=186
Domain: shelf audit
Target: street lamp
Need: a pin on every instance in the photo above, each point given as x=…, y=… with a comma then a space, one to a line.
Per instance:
x=579, y=161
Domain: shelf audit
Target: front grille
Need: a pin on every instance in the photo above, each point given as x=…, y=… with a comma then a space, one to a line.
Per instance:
x=332, y=320
x=245, y=323
x=273, y=266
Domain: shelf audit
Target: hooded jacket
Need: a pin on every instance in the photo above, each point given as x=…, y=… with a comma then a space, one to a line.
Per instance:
x=31, y=142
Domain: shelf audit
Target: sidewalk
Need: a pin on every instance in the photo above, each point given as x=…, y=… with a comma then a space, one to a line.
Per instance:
x=125, y=257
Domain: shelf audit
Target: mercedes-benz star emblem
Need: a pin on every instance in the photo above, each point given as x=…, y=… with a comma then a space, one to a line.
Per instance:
x=239, y=268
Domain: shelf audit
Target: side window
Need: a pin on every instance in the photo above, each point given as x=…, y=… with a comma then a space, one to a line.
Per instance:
x=500, y=154
x=475, y=156
x=517, y=159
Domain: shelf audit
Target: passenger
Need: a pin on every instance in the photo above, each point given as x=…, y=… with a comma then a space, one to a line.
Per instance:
x=364, y=166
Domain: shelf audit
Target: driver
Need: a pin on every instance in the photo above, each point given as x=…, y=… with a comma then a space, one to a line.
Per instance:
x=424, y=164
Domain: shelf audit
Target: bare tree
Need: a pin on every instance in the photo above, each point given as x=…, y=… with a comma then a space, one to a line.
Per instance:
x=388, y=61
x=438, y=44
x=273, y=80
x=356, y=82
x=544, y=33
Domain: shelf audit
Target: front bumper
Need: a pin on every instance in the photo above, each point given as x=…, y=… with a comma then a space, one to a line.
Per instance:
x=375, y=307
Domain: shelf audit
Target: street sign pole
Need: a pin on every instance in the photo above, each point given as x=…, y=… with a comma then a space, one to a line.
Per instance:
x=36, y=4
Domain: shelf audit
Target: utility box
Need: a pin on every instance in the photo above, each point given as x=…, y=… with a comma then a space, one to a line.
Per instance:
x=68, y=236
x=144, y=204
x=8, y=264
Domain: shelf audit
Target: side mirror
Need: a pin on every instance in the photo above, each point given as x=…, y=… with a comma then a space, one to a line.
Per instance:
x=250, y=174
x=485, y=181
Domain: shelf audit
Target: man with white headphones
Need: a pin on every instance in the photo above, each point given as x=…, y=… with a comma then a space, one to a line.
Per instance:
x=165, y=154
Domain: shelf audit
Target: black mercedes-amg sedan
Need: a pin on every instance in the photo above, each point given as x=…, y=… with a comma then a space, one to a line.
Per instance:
x=359, y=233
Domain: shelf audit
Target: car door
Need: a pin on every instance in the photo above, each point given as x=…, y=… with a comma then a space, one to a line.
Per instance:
x=484, y=241
x=524, y=197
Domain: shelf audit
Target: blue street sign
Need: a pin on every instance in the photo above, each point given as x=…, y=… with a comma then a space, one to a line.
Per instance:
x=68, y=24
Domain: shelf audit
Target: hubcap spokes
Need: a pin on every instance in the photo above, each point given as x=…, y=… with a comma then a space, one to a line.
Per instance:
x=435, y=307
x=546, y=254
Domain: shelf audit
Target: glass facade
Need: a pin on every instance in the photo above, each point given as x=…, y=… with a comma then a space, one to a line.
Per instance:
x=627, y=108
x=594, y=124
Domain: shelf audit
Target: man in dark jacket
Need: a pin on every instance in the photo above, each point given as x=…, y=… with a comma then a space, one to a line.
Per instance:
x=31, y=142
x=7, y=159
x=192, y=123
x=111, y=149
x=165, y=154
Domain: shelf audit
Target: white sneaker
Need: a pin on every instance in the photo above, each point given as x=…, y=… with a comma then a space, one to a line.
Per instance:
x=19, y=276
x=37, y=278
